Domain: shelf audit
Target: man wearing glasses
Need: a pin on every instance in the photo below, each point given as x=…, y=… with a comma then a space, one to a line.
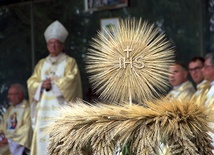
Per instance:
x=195, y=70
x=208, y=71
x=16, y=126
x=55, y=82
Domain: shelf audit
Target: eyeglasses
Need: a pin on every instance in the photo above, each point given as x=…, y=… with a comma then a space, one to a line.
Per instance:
x=196, y=69
x=207, y=66
x=56, y=43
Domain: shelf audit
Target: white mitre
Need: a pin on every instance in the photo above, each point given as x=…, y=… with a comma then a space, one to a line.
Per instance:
x=56, y=30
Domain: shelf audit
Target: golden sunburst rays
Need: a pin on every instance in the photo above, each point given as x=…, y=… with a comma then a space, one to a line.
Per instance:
x=130, y=64
x=182, y=126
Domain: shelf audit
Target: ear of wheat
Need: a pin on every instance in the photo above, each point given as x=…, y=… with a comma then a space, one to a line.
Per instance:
x=182, y=126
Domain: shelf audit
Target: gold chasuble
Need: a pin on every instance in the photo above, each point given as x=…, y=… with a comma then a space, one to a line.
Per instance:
x=184, y=91
x=17, y=124
x=210, y=96
x=66, y=86
x=202, y=90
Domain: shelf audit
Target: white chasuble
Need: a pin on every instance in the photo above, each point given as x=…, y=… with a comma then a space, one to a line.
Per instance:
x=48, y=105
x=210, y=103
x=47, y=110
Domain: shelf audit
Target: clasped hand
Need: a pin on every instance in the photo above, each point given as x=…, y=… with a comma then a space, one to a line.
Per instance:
x=46, y=84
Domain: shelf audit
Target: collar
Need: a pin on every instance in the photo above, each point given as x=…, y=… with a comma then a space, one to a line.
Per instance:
x=57, y=59
x=178, y=86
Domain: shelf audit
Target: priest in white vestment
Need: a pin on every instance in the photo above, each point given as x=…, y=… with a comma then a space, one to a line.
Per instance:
x=208, y=72
x=16, y=125
x=182, y=87
x=195, y=70
x=54, y=82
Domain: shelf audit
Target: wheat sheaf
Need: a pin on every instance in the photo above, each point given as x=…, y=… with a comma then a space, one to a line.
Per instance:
x=130, y=63
x=101, y=128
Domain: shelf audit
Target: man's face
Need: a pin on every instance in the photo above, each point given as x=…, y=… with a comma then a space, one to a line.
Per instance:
x=55, y=47
x=195, y=70
x=177, y=75
x=208, y=70
x=14, y=96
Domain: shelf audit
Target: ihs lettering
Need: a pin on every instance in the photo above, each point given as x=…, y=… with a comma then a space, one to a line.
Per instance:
x=137, y=62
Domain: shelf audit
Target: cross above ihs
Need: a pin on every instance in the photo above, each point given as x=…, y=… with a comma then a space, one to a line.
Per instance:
x=134, y=62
